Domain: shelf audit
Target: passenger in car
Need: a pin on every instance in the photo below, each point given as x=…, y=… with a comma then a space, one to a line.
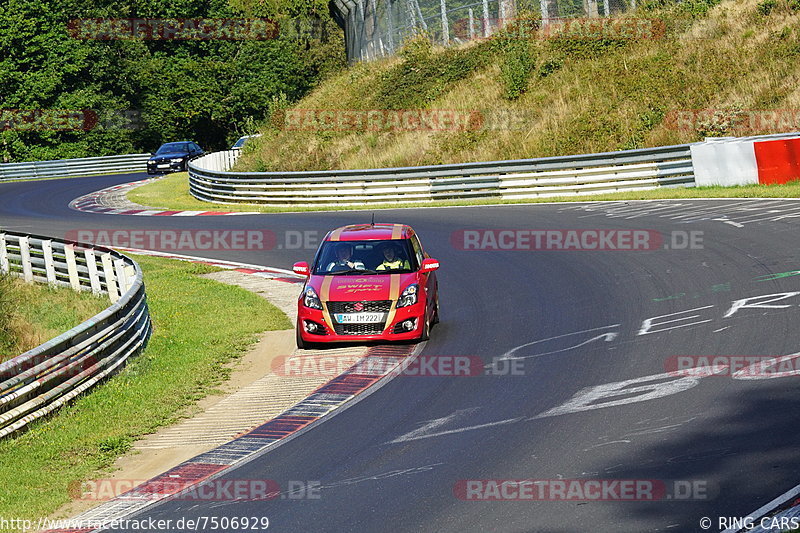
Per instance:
x=392, y=260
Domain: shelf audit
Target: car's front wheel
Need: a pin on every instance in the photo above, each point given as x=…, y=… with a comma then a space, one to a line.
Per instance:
x=301, y=344
x=426, y=329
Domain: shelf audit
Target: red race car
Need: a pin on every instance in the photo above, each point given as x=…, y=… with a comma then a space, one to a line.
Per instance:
x=369, y=282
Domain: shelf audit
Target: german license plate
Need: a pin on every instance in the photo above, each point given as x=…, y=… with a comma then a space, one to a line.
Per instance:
x=360, y=318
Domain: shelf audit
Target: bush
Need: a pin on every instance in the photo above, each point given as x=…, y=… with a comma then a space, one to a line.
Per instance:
x=587, y=38
x=766, y=7
x=550, y=66
x=694, y=8
x=516, y=67
x=423, y=76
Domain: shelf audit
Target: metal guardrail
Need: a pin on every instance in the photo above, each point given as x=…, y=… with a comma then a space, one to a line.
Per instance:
x=210, y=179
x=74, y=167
x=42, y=379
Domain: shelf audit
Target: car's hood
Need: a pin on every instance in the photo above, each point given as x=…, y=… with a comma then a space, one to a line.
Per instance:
x=361, y=288
x=168, y=155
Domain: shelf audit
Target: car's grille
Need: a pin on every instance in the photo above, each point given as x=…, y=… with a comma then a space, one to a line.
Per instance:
x=378, y=306
x=358, y=329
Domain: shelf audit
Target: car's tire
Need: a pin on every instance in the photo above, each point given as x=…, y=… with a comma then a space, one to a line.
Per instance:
x=301, y=344
x=435, y=313
x=426, y=330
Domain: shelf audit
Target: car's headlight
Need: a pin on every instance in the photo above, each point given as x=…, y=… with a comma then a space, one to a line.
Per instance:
x=409, y=296
x=177, y=160
x=310, y=298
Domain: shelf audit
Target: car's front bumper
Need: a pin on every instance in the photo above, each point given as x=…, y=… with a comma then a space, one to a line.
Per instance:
x=165, y=167
x=414, y=312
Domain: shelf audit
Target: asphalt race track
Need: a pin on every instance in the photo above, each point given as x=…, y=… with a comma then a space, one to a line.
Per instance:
x=393, y=461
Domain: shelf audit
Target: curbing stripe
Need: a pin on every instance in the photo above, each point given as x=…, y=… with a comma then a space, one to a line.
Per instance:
x=102, y=201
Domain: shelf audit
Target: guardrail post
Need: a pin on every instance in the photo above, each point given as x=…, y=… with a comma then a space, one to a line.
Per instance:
x=91, y=264
x=49, y=265
x=111, y=279
x=130, y=272
x=122, y=276
x=72, y=267
x=3, y=255
x=25, y=253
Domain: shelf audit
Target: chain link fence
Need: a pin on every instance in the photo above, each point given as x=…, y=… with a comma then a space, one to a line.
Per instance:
x=378, y=28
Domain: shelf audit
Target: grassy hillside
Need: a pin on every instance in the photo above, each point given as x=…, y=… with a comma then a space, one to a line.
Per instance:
x=567, y=94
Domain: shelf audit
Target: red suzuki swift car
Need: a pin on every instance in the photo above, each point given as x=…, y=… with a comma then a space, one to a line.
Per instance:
x=369, y=282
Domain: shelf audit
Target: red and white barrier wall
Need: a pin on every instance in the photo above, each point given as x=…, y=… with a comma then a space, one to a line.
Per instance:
x=746, y=161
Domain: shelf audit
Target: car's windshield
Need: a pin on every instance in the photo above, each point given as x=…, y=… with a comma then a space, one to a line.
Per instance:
x=240, y=142
x=359, y=258
x=173, y=147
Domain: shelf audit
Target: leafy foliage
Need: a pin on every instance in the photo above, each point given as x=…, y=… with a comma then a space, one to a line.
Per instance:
x=209, y=91
x=694, y=8
x=423, y=76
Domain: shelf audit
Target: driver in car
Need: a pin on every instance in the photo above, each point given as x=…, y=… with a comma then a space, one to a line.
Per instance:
x=344, y=261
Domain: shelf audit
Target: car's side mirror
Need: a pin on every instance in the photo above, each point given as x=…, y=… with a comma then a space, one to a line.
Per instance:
x=429, y=265
x=301, y=268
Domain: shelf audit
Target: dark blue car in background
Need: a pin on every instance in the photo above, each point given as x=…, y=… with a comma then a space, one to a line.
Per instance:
x=173, y=157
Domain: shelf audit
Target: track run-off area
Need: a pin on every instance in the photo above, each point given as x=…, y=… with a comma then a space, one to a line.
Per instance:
x=596, y=325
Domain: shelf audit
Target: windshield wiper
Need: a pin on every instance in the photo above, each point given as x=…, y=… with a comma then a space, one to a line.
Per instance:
x=351, y=271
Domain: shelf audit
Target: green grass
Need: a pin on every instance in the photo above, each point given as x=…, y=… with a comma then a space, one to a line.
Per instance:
x=172, y=193
x=34, y=313
x=200, y=327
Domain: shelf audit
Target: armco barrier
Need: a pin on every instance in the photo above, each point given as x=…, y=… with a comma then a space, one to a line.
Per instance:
x=778, y=160
x=46, y=377
x=211, y=179
x=765, y=159
x=74, y=167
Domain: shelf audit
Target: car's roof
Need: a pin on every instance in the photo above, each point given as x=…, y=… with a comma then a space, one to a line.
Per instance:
x=176, y=142
x=370, y=232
